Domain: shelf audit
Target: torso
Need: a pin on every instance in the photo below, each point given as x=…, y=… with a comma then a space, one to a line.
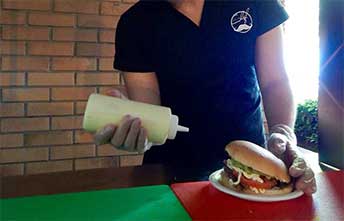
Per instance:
x=206, y=75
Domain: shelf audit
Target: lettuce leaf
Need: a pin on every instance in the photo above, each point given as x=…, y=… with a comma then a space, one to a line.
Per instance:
x=245, y=168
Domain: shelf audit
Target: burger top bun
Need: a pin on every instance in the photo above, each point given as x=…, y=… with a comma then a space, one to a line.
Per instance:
x=258, y=158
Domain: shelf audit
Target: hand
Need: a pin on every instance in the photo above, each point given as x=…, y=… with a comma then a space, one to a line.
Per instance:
x=282, y=143
x=128, y=135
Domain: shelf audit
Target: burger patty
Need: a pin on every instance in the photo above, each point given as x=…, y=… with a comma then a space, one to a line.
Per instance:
x=228, y=171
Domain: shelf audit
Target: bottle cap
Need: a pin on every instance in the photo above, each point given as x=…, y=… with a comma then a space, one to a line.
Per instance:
x=174, y=127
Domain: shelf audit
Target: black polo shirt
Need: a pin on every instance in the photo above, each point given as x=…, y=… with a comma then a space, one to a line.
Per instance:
x=206, y=74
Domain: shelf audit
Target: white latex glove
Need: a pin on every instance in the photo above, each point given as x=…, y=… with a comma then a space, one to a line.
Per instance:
x=282, y=143
x=128, y=135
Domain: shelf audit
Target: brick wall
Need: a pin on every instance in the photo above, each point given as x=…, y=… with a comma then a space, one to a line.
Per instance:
x=54, y=53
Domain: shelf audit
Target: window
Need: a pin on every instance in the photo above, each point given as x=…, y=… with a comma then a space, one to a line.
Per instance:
x=301, y=48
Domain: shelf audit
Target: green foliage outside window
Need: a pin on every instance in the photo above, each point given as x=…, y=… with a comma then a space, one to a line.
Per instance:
x=306, y=126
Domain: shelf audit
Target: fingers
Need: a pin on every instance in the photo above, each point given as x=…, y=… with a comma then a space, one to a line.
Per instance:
x=292, y=153
x=281, y=128
x=282, y=143
x=122, y=131
x=307, y=182
x=285, y=130
x=277, y=144
x=311, y=188
x=115, y=93
x=298, y=167
x=130, y=141
x=141, y=140
x=104, y=134
x=129, y=135
x=283, y=140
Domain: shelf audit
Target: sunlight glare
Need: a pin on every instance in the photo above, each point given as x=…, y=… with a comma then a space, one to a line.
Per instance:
x=301, y=48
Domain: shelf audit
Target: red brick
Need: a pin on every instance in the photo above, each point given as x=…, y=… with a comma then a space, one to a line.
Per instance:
x=11, y=169
x=51, y=108
x=106, y=64
x=107, y=36
x=74, y=63
x=25, y=63
x=109, y=150
x=48, y=138
x=12, y=79
x=12, y=47
x=97, y=78
x=44, y=79
x=24, y=124
x=72, y=151
x=79, y=6
x=135, y=160
x=80, y=107
x=25, y=94
x=26, y=4
x=72, y=93
x=71, y=122
x=97, y=21
x=95, y=50
x=50, y=48
x=12, y=17
x=93, y=163
x=72, y=34
x=25, y=33
x=51, y=19
x=49, y=167
x=11, y=140
x=82, y=136
x=23, y=155
x=111, y=8
x=11, y=110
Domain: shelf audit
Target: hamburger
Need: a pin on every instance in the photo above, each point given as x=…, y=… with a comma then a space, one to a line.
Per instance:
x=254, y=170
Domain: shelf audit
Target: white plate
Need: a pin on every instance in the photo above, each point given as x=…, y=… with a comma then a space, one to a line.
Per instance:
x=214, y=180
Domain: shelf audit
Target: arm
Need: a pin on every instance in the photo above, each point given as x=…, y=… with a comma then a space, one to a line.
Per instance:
x=142, y=87
x=133, y=56
x=279, y=108
x=277, y=96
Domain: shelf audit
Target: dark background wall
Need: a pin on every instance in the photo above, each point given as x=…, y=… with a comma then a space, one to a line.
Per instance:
x=331, y=90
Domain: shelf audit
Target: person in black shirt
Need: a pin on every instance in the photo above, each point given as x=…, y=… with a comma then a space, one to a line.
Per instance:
x=212, y=63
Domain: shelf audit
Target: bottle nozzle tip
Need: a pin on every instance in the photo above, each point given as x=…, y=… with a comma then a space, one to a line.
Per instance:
x=182, y=129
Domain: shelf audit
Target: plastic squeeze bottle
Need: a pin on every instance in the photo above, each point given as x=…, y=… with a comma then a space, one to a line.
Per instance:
x=160, y=123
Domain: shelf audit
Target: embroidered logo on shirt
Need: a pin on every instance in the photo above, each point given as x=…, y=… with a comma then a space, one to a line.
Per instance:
x=241, y=21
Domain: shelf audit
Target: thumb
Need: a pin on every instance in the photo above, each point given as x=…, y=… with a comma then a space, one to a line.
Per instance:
x=115, y=93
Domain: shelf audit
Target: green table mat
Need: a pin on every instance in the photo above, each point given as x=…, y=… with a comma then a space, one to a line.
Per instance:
x=137, y=204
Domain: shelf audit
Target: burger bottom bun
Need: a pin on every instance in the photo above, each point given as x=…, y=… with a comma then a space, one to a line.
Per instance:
x=284, y=190
x=224, y=180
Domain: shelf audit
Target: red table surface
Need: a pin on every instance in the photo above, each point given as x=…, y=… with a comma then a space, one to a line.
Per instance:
x=205, y=202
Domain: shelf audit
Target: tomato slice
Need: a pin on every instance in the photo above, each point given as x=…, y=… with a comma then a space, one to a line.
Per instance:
x=267, y=184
